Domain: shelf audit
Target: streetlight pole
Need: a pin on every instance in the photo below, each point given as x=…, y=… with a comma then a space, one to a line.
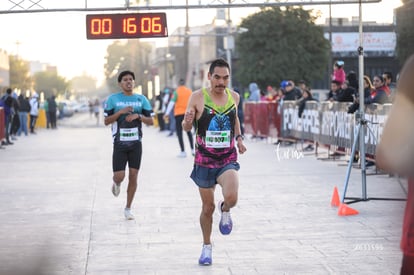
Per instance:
x=186, y=43
x=229, y=42
x=330, y=65
x=361, y=103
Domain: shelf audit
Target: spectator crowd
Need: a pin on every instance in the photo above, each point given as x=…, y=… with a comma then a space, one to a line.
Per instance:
x=20, y=114
x=344, y=87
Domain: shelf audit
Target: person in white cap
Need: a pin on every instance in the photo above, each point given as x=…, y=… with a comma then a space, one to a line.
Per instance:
x=34, y=111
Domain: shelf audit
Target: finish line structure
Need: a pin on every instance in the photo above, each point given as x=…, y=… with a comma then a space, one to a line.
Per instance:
x=36, y=6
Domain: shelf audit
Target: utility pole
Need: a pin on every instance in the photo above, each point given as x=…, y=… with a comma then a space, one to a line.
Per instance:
x=186, y=44
x=229, y=43
x=330, y=64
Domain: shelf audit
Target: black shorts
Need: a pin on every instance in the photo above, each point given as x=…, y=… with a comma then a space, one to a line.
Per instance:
x=207, y=177
x=123, y=155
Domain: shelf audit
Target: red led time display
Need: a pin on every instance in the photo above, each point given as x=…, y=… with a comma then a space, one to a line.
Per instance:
x=126, y=25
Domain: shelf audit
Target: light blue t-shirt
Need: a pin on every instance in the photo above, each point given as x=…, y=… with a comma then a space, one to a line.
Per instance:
x=119, y=101
x=127, y=133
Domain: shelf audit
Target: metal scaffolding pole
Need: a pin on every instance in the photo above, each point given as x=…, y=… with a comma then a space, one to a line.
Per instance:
x=34, y=7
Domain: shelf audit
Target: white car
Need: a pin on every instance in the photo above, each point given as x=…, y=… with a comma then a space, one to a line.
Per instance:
x=80, y=107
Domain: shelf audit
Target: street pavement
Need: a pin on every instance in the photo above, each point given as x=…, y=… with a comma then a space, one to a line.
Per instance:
x=58, y=215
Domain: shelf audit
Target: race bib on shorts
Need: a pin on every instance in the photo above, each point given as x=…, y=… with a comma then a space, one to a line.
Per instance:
x=217, y=139
x=128, y=134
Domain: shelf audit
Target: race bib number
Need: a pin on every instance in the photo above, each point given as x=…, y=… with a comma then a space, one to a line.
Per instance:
x=128, y=134
x=217, y=139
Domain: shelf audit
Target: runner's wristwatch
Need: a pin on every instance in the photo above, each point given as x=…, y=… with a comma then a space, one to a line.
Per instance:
x=238, y=136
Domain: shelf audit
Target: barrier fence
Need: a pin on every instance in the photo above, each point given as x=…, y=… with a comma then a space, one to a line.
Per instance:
x=262, y=119
x=327, y=123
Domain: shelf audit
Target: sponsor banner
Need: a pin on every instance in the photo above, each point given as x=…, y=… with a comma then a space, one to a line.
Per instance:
x=327, y=122
x=336, y=124
x=372, y=41
x=375, y=115
x=307, y=127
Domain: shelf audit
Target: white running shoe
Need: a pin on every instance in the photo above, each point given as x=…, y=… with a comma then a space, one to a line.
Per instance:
x=182, y=155
x=205, y=257
x=128, y=214
x=226, y=224
x=116, y=189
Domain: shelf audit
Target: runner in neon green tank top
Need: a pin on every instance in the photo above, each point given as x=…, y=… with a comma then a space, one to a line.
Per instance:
x=214, y=113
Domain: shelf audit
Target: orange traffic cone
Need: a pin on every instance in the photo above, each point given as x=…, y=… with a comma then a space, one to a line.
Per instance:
x=335, y=198
x=345, y=210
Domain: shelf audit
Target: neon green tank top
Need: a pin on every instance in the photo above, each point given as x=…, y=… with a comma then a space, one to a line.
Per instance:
x=215, y=146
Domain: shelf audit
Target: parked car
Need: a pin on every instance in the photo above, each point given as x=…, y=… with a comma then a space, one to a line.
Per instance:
x=79, y=107
x=65, y=110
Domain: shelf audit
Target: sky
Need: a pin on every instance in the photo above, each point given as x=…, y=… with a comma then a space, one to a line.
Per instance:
x=60, y=38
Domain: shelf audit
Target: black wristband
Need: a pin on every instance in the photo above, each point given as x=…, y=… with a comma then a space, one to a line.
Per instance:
x=237, y=137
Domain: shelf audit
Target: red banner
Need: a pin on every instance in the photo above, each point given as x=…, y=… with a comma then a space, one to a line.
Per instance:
x=262, y=119
x=2, y=124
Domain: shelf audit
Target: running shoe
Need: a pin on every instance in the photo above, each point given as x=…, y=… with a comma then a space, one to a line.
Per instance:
x=128, y=214
x=226, y=224
x=116, y=189
x=205, y=257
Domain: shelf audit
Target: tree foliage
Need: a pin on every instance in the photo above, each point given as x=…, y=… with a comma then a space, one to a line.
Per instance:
x=50, y=83
x=405, y=34
x=19, y=73
x=281, y=44
x=133, y=56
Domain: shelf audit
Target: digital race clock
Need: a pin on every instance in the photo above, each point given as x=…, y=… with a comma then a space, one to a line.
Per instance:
x=126, y=25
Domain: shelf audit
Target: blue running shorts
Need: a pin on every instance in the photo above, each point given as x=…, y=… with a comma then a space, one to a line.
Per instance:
x=206, y=177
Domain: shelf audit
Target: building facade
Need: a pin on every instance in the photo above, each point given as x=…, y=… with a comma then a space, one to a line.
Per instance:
x=378, y=44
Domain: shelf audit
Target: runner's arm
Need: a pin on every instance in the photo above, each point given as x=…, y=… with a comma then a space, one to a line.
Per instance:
x=237, y=130
x=114, y=117
x=147, y=117
x=190, y=113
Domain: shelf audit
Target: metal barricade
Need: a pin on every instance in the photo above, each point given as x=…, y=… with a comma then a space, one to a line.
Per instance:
x=327, y=123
